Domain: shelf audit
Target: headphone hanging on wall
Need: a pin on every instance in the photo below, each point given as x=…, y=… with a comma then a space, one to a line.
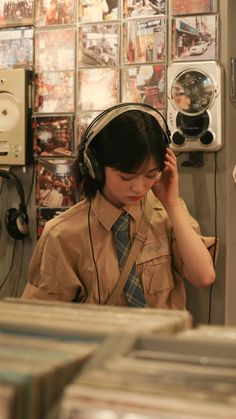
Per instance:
x=89, y=164
x=16, y=220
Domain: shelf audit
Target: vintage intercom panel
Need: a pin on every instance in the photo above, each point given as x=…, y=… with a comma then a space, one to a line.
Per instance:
x=15, y=117
x=195, y=103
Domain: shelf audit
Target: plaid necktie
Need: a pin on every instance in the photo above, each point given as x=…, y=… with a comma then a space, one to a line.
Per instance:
x=132, y=289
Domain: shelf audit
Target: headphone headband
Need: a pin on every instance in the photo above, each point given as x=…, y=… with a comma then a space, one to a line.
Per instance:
x=88, y=163
x=108, y=115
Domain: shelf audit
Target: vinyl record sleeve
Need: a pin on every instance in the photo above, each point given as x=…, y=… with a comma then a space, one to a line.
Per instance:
x=55, y=50
x=98, y=88
x=98, y=45
x=145, y=84
x=98, y=10
x=136, y=8
x=144, y=41
x=195, y=38
x=54, y=92
x=54, y=12
x=16, y=48
x=83, y=120
x=54, y=187
x=53, y=135
x=16, y=13
x=44, y=215
x=186, y=7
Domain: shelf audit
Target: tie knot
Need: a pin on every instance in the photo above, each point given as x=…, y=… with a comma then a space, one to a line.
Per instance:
x=121, y=223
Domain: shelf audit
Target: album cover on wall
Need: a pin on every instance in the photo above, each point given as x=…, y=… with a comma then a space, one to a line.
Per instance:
x=54, y=12
x=195, y=38
x=185, y=7
x=16, y=13
x=16, y=48
x=83, y=120
x=136, y=8
x=44, y=215
x=54, y=92
x=144, y=41
x=55, y=50
x=53, y=135
x=98, y=88
x=54, y=187
x=98, y=10
x=98, y=45
x=145, y=84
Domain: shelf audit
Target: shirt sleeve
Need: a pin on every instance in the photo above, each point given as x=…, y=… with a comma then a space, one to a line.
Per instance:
x=211, y=243
x=52, y=272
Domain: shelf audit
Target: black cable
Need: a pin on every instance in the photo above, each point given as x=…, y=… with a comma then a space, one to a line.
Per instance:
x=21, y=267
x=31, y=187
x=11, y=266
x=93, y=256
x=1, y=187
x=215, y=244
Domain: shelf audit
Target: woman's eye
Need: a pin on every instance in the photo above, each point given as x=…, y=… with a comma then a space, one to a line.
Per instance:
x=126, y=178
x=155, y=175
x=152, y=176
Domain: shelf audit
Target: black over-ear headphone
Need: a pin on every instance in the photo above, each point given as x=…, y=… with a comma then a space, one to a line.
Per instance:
x=16, y=220
x=88, y=163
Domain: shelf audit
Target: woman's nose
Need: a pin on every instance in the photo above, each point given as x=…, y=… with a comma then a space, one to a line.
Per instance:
x=139, y=186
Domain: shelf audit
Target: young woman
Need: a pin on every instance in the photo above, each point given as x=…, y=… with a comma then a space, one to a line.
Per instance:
x=123, y=160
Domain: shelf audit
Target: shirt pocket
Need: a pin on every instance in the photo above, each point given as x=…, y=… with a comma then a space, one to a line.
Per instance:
x=154, y=266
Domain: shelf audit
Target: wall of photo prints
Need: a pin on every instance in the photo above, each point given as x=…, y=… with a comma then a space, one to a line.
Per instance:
x=91, y=55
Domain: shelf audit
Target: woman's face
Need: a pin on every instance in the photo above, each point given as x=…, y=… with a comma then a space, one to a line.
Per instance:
x=126, y=188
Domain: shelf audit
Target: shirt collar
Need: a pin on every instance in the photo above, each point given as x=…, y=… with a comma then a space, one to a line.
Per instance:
x=107, y=213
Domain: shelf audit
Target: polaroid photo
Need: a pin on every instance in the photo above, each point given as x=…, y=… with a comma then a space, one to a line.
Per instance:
x=54, y=183
x=195, y=38
x=139, y=9
x=98, y=88
x=16, y=48
x=145, y=84
x=144, y=41
x=55, y=50
x=98, y=45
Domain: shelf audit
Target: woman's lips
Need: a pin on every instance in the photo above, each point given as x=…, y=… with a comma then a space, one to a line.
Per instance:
x=135, y=198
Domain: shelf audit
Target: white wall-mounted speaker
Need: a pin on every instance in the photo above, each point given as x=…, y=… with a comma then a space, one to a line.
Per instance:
x=195, y=102
x=15, y=117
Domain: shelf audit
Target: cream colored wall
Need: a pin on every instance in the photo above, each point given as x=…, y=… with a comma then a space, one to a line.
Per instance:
x=230, y=219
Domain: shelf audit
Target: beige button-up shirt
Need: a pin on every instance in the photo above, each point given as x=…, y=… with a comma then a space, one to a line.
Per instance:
x=75, y=258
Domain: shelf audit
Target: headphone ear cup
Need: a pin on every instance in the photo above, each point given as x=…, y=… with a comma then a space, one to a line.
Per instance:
x=93, y=167
x=16, y=223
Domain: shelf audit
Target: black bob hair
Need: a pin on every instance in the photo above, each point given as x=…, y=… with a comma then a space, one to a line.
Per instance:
x=125, y=144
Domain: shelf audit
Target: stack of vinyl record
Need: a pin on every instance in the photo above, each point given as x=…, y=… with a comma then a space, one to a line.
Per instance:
x=84, y=320
x=45, y=344
x=210, y=333
x=33, y=372
x=155, y=377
